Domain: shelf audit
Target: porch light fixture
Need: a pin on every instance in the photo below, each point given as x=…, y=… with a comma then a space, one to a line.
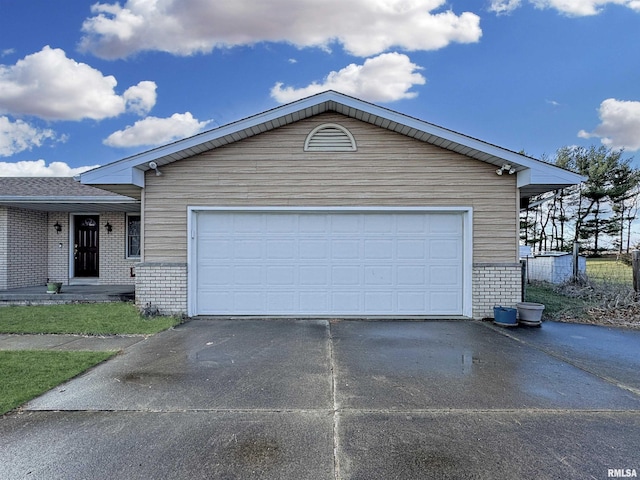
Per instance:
x=154, y=166
x=506, y=167
x=58, y=227
x=108, y=227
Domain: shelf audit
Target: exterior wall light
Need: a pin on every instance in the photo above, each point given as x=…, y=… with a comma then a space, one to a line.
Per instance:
x=506, y=168
x=109, y=227
x=58, y=227
x=154, y=166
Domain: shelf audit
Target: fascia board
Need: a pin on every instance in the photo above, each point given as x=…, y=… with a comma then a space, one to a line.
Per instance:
x=114, y=173
x=548, y=175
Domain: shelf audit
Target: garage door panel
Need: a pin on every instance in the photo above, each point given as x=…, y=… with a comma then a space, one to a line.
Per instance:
x=281, y=248
x=410, y=275
x=378, y=302
x=378, y=275
x=314, y=263
x=246, y=275
x=345, y=275
x=346, y=301
x=247, y=249
x=345, y=249
x=313, y=249
x=345, y=224
x=315, y=275
x=378, y=249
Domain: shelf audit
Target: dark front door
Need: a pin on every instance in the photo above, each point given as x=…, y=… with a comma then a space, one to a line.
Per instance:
x=85, y=251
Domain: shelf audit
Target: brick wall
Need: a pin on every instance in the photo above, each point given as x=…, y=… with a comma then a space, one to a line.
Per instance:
x=493, y=285
x=115, y=267
x=58, y=248
x=26, y=248
x=162, y=285
x=3, y=247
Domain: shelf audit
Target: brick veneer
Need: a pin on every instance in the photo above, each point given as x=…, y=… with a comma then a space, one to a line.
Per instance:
x=495, y=284
x=25, y=249
x=163, y=286
x=115, y=268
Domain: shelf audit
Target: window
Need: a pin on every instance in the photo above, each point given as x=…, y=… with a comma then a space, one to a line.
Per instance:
x=133, y=236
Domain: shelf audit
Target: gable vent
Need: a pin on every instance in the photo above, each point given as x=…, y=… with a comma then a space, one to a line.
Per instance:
x=330, y=137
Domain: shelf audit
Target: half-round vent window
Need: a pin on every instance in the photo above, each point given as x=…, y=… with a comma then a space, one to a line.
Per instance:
x=330, y=137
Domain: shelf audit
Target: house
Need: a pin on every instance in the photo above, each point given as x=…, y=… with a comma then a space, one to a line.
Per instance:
x=325, y=206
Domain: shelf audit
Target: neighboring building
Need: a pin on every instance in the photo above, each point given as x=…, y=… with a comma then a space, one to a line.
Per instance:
x=327, y=206
x=552, y=267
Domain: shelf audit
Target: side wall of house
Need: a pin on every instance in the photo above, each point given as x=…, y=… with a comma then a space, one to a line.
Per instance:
x=115, y=267
x=26, y=248
x=388, y=169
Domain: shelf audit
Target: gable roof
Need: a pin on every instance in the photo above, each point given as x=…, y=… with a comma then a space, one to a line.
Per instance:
x=534, y=176
x=61, y=194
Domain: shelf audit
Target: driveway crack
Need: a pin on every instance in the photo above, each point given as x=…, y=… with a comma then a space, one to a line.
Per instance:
x=336, y=436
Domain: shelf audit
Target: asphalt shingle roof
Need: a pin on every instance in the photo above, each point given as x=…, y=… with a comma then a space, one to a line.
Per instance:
x=49, y=187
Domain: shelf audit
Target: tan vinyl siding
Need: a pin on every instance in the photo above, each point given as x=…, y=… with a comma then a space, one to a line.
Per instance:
x=388, y=169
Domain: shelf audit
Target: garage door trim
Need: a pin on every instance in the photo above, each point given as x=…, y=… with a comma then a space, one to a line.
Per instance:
x=467, y=240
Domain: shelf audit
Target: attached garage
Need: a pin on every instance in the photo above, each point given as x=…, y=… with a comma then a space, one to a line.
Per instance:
x=329, y=206
x=340, y=261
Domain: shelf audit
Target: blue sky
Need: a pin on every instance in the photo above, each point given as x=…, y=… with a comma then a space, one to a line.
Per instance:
x=85, y=84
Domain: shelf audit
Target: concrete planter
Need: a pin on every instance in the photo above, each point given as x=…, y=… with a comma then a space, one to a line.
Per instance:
x=54, y=287
x=530, y=313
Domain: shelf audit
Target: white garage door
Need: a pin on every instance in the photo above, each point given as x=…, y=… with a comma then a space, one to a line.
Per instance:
x=327, y=263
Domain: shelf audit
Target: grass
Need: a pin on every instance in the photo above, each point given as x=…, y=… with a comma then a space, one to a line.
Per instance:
x=556, y=304
x=82, y=319
x=609, y=270
x=27, y=374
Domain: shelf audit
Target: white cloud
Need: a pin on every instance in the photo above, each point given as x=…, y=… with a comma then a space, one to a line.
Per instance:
x=141, y=98
x=156, y=131
x=619, y=125
x=186, y=27
x=577, y=8
x=38, y=168
x=385, y=78
x=18, y=136
x=49, y=85
x=504, y=6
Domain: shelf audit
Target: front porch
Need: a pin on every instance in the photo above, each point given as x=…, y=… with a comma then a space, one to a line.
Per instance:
x=36, y=295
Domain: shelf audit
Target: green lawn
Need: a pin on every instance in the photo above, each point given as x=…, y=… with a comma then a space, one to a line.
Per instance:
x=83, y=319
x=556, y=304
x=29, y=373
x=609, y=270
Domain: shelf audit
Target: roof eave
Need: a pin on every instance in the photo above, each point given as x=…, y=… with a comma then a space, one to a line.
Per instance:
x=131, y=170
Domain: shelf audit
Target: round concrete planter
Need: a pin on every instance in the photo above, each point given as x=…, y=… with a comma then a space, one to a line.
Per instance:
x=530, y=313
x=54, y=287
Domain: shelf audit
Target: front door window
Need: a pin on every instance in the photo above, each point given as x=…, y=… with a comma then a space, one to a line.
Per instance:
x=85, y=251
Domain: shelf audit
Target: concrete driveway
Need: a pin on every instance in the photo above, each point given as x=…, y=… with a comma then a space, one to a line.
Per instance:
x=318, y=399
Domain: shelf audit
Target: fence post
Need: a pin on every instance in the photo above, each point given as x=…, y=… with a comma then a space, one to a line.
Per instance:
x=635, y=255
x=576, y=266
